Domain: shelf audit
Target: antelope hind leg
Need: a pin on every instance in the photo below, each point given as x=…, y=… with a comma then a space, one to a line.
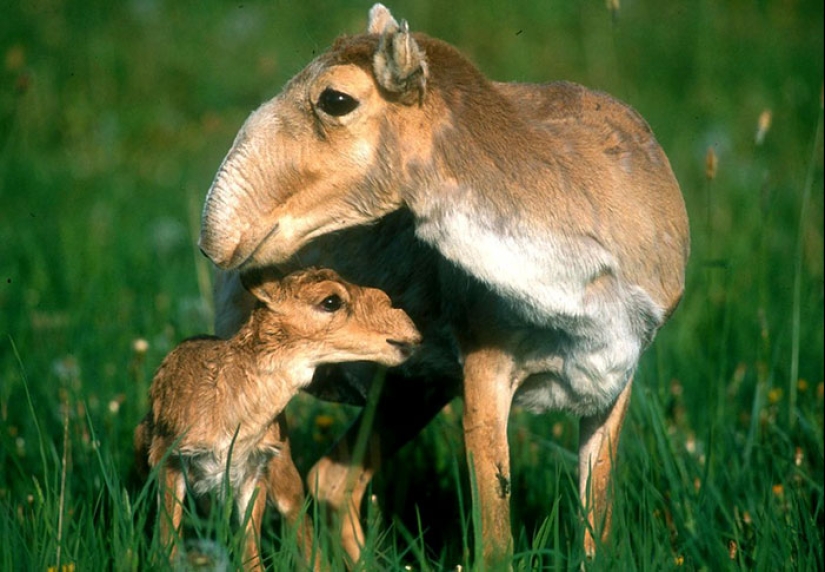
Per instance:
x=598, y=443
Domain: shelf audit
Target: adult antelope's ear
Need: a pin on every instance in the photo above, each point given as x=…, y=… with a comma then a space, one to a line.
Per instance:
x=399, y=64
x=381, y=21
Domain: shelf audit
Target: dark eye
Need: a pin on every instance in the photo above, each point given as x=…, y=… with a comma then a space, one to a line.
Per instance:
x=332, y=303
x=336, y=103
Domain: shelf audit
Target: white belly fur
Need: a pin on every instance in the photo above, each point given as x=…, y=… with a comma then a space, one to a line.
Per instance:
x=545, y=279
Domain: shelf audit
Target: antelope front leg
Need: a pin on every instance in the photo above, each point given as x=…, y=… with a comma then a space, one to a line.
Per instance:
x=172, y=489
x=598, y=443
x=488, y=394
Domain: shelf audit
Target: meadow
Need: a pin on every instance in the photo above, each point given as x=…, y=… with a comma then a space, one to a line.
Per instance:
x=114, y=117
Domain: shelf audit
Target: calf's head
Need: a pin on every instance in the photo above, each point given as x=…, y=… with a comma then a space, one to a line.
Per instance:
x=324, y=154
x=327, y=320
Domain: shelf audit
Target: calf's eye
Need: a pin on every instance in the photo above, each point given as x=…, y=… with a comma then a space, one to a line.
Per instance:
x=336, y=103
x=332, y=303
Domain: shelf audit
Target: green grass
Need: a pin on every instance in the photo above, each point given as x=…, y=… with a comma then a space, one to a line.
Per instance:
x=113, y=120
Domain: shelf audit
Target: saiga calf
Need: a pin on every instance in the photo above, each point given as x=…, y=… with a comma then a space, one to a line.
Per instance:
x=217, y=403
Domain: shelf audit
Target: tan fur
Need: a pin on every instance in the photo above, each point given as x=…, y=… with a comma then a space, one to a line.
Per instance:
x=549, y=233
x=217, y=405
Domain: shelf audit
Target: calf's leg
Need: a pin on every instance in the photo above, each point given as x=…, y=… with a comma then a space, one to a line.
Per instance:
x=252, y=531
x=285, y=486
x=339, y=481
x=172, y=489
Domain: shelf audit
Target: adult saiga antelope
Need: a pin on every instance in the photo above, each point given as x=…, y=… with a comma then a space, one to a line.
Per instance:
x=535, y=233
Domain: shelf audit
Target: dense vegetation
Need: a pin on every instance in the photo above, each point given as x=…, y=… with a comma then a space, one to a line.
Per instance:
x=114, y=117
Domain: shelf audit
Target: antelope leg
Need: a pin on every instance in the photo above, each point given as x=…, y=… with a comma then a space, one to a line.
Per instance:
x=488, y=396
x=598, y=443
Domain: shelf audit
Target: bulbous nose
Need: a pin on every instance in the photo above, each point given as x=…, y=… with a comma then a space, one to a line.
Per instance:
x=221, y=257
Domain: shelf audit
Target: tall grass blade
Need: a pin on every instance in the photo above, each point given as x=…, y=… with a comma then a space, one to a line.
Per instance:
x=797, y=275
x=61, y=503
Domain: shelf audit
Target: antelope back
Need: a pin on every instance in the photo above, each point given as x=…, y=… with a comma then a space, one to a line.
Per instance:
x=390, y=119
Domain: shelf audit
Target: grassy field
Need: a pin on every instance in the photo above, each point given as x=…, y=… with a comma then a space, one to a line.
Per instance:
x=114, y=117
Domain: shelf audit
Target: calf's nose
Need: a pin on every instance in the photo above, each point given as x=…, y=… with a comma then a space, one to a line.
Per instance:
x=406, y=347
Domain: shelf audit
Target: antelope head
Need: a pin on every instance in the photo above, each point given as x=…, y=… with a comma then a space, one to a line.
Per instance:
x=320, y=157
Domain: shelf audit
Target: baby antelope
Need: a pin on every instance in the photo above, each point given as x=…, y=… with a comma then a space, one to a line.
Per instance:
x=215, y=403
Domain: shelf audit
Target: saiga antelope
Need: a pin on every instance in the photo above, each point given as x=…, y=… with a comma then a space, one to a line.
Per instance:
x=216, y=406
x=536, y=235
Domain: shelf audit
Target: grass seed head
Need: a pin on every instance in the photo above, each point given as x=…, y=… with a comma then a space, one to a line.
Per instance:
x=763, y=126
x=711, y=164
x=140, y=346
x=614, y=6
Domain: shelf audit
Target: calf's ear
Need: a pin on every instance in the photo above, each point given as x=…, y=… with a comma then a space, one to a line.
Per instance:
x=263, y=285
